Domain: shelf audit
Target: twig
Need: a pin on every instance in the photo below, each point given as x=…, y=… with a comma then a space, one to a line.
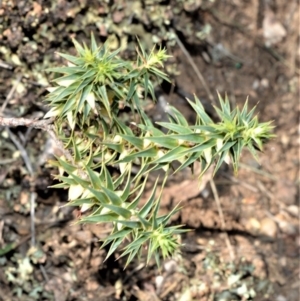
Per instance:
x=264, y=190
x=242, y=183
x=22, y=150
x=1, y=231
x=10, y=94
x=38, y=124
x=195, y=68
x=32, y=218
x=14, y=122
x=258, y=171
x=44, y=272
x=31, y=172
x=4, y=65
x=223, y=225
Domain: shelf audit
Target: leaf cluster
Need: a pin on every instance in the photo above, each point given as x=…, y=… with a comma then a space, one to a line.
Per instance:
x=111, y=159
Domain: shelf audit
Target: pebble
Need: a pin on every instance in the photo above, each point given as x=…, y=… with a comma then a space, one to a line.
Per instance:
x=293, y=210
x=268, y=227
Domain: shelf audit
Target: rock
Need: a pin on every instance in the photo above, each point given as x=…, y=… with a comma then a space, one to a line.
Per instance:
x=268, y=227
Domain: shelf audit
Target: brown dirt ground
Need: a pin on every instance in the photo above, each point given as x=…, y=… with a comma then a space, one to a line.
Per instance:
x=260, y=206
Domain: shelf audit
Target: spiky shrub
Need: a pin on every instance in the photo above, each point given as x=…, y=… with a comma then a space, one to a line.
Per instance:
x=86, y=101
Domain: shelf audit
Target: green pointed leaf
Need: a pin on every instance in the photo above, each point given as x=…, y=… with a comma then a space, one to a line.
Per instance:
x=104, y=98
x=68, y=78
x=191, y=138
x=77, y=154
x=99, y=195
x=226, y=146
x=149, y=204
x=118, y=210
x=177, y=128
x=134, y=203
x=99, y=218
x=112, y=196
x=130, y=224
x=199, y=109
x=114, y=146
x=144, y=222
x=83, y=84
x=178, y=117
x=66, y=180
x=108, y=179
x=66, y=166
x=126, y=190
x=113, y=247
x=80, y=181
x=137, y=142
x=205, y=128
x=118, y=234
x=113, y=54
x=163, y=141
x=131, y=256
x=253, y=151
x=80, y=202
x=147, y=153
x=136, y=244
x=83, y=96
x=66, y=70
x=64, y=93
x=95, y=178
x=189, y=161
x=159, y=74
x=172, y=155
x=61, y=185
x=73, y=59
x=89, y=74
x=235, y=154
x=221, y=159
x=94, y=46
x=78, y=47
x=200, y=147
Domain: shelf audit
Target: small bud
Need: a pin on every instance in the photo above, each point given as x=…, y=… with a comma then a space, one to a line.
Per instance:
x=180, y=141
x=75, y=191
x=123, y=166
x=65, y=82
x=91, y=100
x=51, y=89
x=108, y=156
x=207, y=154
x=117, y=139
x=160, y=154
x=257, y=131
x=146, y=141
x=52, y=113
x=219, y=144
x=71, y=120
x=85, y=207
x=227, y=159
x=87, y=194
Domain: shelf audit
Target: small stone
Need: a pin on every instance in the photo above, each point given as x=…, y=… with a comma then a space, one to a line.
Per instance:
x=281, y=298
x=268, y=227
x=293, y=210
x=264, y=83
x=253, y=224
